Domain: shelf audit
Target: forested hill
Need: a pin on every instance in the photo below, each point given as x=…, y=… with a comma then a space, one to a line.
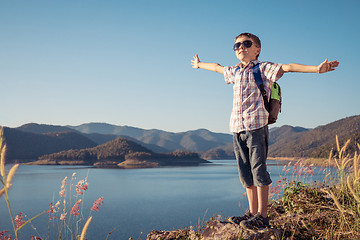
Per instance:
x=319, y=141
x=44, y=128
x=278, y=133
x=25, y=146
x=113, y=150
x=288, y=141
x=122, y=153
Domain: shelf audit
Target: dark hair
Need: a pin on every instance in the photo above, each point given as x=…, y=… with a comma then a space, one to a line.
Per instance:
x=253, y=37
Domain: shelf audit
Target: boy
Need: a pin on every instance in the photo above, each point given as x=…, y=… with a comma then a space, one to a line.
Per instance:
x=249, y=120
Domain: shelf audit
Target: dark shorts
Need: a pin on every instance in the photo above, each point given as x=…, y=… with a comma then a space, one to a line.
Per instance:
x=251, y=148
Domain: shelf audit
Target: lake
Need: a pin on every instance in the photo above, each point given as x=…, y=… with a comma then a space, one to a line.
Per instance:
x=135, y=200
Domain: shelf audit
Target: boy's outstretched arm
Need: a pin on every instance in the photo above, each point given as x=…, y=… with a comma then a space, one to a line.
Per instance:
x=208, y=66
x=322, y=68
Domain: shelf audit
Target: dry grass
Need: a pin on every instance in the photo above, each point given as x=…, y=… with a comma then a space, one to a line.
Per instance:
x=330, y=210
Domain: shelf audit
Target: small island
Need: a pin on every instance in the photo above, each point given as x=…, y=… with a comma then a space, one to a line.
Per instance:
x=120, y=153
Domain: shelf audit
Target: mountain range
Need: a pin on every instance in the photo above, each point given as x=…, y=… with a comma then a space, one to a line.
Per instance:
x=199, y=140
x=31, y=141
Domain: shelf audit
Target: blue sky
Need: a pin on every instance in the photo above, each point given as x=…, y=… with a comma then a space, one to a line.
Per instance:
x=128, y=62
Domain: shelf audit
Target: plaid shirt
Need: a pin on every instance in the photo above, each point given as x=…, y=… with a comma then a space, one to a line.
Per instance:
x=248, y=111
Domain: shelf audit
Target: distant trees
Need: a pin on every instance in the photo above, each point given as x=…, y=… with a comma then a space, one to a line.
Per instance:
x=119, y=150
x=25, y=146
x=318, y=142
x=324, y=151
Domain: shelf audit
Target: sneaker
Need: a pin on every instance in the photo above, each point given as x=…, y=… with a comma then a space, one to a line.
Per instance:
x=256, y=222
x=238, y=220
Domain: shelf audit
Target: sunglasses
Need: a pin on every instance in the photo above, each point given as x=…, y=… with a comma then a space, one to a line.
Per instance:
x=246, y=43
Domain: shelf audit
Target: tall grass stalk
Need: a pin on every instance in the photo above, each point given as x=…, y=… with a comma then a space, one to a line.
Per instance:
x=65, y=230
x=6, y=179
x=343, y=160
x=346, y=193
x=83, y=232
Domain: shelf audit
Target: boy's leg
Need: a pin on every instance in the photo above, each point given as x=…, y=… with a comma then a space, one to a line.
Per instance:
x=251, y=152
x=263, y=199
x=242, y=156
x=257, y=142
x=252, y=195
x=258, y=145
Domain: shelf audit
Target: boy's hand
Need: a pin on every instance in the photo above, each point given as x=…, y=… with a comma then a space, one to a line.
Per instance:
x=195, y=62
x=215, y=67
x=327, y=66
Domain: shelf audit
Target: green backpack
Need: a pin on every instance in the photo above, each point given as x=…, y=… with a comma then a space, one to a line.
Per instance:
x=273, y=106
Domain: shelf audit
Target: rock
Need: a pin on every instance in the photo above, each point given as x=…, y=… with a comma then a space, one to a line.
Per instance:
x=217, y=230
x=175, y=234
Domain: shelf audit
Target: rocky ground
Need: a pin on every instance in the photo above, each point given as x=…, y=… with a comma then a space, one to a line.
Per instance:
x=304, y=212
x=217, y=230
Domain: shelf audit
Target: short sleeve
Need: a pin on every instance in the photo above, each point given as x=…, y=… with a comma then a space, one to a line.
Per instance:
x=229, y=74
x=271, y=71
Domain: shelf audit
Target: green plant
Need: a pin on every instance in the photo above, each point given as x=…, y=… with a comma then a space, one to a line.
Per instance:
x=293, y=189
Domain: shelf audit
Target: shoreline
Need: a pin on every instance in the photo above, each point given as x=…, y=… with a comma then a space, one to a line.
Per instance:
x=321, y=162
x=127, y=164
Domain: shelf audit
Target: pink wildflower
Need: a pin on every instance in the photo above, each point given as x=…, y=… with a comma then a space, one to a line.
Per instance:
x=97, y=203
x=62, y=193
x=244, y=194
x=95, y=208
x=81, y=186
x=63, y=216
x=3, y=237
x=75, y=208
x=310, y=172
x=297, y=164
x=35, y=238
x=63, y=183
x=275, y=190
x=51, y=212
x=18, y=220
x=279, y=181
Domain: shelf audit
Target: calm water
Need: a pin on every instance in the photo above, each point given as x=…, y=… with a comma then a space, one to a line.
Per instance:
x=135, y=200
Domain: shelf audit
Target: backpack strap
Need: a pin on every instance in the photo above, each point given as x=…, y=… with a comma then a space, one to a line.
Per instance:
x=236, y=70
x=259, y=83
